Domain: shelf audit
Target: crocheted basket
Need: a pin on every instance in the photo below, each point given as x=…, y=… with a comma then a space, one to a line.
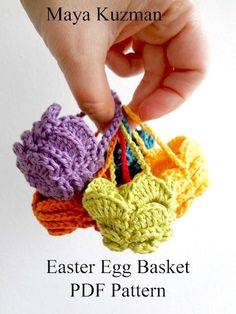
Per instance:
x=61, y=217
x=137, y=215
x=180, y=161
x=59, y=156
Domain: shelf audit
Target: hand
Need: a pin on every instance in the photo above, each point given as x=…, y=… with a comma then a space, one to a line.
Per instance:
x=172, y=52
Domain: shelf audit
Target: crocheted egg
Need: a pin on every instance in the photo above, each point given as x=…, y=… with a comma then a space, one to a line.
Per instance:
x=61, y=217
x=190, y=182
x=137, y=215
x=61, y=155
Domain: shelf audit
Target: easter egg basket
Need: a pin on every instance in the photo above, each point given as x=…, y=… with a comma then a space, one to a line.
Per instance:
x=136, y=215
x=181, y=160
x=122, y=186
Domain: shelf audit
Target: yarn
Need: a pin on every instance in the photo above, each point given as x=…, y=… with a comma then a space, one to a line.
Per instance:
x=116, y=98
x=180, y=161
x=134, y=167
x=189, y=183
x=61, y=217
x=137, y=215
x=124, y=163
x=59, y=156
x=109, y=157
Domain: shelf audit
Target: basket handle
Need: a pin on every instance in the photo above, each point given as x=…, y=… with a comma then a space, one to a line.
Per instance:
x=145, y=127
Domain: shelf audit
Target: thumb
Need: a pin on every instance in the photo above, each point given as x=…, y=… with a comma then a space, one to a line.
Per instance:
x=85, y=74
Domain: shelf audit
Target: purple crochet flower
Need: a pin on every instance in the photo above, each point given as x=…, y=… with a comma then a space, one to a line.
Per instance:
x=59, y=156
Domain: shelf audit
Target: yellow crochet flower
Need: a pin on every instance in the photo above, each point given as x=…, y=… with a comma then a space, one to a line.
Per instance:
x=137, y=215
x=190, y=181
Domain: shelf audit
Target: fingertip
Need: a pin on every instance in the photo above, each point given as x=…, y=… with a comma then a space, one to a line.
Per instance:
x=89, y=85
x=124, y=65
x=100, y=112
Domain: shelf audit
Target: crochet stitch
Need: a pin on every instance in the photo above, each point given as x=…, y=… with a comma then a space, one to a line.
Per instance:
x=180, y=161
x=61, y=217
x=134, y=191
x=134, y=167
x=61, y=155
x=189, y=183
x=136, y=215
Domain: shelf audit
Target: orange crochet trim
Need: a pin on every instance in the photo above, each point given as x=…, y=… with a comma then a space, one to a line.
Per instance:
x=109, y=158
x=61, y=217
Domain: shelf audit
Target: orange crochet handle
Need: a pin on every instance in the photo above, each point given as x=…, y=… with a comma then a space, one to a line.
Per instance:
x=109, y=158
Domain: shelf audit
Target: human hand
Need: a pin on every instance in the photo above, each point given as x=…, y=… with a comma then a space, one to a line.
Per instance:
x=172, y=52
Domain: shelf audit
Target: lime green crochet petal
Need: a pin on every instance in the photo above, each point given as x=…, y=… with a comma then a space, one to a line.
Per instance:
x=137, y=215
x=118, y=245
x=150, y=226
x=103, y=201
x=146, y=188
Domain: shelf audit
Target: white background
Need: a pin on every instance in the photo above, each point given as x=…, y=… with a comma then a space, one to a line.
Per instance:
x=205, y=237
